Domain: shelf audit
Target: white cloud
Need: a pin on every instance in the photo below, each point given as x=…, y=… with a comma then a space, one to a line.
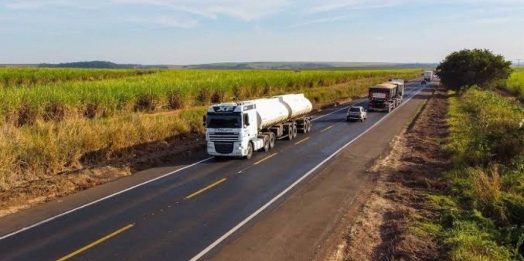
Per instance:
x=34, y=4
x=66, y=32
x=320, y=20
x=497, y=20
x=165, y=21
x=246, y=10
x=322, y=6
x=28, y=4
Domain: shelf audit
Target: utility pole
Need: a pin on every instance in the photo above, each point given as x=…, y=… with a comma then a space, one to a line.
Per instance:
x=518, y=62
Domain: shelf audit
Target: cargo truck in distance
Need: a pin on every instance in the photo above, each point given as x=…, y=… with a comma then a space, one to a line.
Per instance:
x=237, y=129
x=386, y=96
x=428, y=76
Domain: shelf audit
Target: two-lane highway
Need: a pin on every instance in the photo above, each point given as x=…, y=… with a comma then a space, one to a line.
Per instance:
x=186, y=213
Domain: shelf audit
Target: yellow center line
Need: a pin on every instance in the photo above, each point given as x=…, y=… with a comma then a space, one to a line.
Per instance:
x=327, y=128
x=96, y=242
x=206, y=188
x=298, y=142
x=264, y=159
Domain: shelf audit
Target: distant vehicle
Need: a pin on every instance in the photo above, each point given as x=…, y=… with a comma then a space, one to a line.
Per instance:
x=428, y=76
x=396, y=80
x=356, y=113
x=385, y=96
x=236, y=129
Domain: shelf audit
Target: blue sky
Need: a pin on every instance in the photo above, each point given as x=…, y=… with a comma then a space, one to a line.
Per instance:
x=206, y=31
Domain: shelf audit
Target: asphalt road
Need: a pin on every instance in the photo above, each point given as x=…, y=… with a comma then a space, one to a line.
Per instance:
x=186, y=211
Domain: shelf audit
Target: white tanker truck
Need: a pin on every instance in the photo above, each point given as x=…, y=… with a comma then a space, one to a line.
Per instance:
x=237, y=129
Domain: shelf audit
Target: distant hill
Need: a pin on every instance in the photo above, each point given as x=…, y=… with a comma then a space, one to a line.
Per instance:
x=234, y=65
x=306, y=65
x=100, y=65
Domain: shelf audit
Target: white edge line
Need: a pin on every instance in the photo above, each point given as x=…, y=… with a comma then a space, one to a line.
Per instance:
x=101, y=199
x=239, y=225
x=112, y=195
x=175, y=171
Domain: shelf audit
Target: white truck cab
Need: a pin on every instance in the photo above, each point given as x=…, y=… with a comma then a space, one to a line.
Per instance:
x=236, y=129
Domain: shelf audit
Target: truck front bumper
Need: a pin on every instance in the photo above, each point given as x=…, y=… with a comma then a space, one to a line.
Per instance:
x=226, y=149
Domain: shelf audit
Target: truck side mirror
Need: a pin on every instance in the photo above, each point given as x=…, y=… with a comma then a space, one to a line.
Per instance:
x=204, y=118
x=246, y=119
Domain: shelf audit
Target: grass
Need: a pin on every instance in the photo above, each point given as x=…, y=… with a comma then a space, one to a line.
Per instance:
x=487, y=145
x=50, y=127
x=515, y=83
x=27, y=77
x=175, y=89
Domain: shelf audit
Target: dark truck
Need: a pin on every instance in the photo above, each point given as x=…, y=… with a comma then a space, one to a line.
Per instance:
x=386, y=96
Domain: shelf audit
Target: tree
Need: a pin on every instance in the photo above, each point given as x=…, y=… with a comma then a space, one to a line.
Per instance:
x=463, y=69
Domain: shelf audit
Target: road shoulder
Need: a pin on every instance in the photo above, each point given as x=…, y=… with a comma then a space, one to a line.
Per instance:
x=312, y=220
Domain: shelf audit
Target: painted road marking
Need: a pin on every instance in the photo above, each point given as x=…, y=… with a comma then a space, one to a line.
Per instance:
x=206, y=188
x=102, y=199
x=327, y=128
x=264, y=159
x=298, y=142
x=168, y=174
x=243, y=222
x=96, y=243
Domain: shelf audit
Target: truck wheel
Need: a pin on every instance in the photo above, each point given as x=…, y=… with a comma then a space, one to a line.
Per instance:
x=290, y=133
x=249, y=150
x=266, y=144
x=309, y=125
x=272, y=140
x=295, y=131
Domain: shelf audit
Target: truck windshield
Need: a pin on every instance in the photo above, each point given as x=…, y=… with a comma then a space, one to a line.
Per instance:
x=223, y=121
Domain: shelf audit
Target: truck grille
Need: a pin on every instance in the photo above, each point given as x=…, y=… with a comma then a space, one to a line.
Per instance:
x=224, y=147
x=227, y=136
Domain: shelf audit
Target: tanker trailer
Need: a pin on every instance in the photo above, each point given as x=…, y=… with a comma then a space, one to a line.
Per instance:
x=236, y=129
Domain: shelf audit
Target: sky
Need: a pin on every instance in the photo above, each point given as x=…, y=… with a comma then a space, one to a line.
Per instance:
x=181, y=32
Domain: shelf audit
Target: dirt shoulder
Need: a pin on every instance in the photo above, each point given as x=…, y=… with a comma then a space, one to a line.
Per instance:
x=384, y=229
x=311, y=222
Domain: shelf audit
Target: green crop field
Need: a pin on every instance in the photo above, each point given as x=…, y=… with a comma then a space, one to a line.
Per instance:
x=57, y=120
x=515, y=83
x=24, y=77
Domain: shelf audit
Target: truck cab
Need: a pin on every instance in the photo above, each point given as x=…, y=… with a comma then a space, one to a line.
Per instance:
x=230, y=130
x=428, y=76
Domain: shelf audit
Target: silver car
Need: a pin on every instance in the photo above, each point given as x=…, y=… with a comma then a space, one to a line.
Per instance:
x=356, y=113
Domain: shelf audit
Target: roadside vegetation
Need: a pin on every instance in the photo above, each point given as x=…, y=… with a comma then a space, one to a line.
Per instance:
x=515, y=83
x=54, y=121
x=453, y=186
x=487, y=147
x=483, y=215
